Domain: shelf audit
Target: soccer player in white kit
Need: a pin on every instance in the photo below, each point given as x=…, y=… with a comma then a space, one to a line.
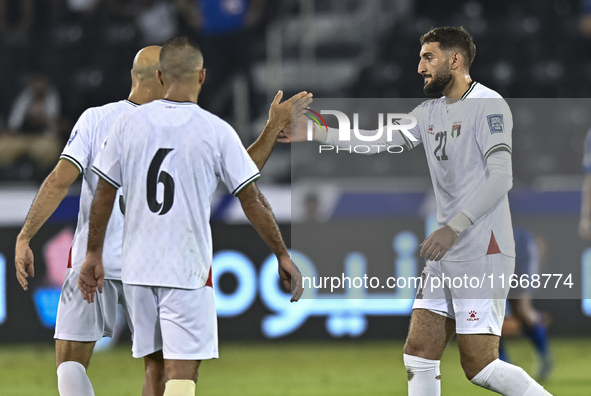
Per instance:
x=79, y=325
x=168, y=156
x=466, y=134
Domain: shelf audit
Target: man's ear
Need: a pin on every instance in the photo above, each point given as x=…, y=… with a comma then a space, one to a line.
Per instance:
x=202, y=76
x=456, y=60
x=159, y=77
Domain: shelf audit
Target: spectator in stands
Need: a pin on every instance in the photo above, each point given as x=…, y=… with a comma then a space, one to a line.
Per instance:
x=32, y=131
x=16, y=19
x=155, y=20
x=223, y=31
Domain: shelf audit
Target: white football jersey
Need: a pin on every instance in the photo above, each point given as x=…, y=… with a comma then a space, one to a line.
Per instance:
x=83, y=146
x=168, y=158
x=458, y=138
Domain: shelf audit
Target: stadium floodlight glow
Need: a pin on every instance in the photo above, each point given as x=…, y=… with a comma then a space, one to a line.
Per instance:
x=241, y=267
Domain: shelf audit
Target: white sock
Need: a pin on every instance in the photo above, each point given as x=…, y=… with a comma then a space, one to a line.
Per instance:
x=508, y=380
x=424, y=377
x=72, y=380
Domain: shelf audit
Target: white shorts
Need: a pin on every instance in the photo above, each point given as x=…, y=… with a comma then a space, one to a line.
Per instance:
x=180, y=322
x=77, y=320
x=477, y=308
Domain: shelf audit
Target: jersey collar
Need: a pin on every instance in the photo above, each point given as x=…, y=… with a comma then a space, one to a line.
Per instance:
x=129, y=102
x=177, y=102
x=469, y=91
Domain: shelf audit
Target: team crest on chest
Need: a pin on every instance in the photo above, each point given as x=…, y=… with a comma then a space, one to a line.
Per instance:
x=455, y=129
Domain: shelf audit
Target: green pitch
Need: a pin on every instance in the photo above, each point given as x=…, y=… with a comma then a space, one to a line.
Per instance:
x=290, y=368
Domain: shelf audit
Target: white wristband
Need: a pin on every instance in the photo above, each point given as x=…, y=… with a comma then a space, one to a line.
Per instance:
x=320, y=135
x=459, y=223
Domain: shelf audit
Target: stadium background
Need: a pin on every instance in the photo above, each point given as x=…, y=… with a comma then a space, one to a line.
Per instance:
x=338, y=48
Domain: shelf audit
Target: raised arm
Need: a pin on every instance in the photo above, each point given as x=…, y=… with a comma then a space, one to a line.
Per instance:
x=260, y=215
x=52, y=192
x=280, y=116
x=298, y=132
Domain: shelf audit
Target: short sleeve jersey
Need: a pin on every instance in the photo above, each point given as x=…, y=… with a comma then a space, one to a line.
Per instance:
x=458, y=138
x=83, y=146
x=168, y=158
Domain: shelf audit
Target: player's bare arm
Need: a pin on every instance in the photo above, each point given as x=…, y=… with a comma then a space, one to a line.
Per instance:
x=280, y=116
x=92, y=272
x=585, y=221
x=259, y=213
x=52, y=192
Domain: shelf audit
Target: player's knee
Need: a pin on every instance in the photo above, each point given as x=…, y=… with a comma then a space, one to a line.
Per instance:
x=154, y=369
x=472, y=365
x=179, y=388
x=417, y=348
x=73, y=351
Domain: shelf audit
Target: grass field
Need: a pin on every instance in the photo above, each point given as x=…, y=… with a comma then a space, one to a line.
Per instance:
x=290, y=368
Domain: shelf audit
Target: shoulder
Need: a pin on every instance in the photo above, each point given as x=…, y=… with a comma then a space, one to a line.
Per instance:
x=481, y=91
x=105, y=113
x=219, y=126
x=428, y=105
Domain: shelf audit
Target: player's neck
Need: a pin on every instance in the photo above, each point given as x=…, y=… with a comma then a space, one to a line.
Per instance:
x=181, y=93
x=457, y=87
x=141, y=96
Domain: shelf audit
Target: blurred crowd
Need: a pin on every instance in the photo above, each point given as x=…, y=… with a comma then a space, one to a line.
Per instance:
x=60, y=57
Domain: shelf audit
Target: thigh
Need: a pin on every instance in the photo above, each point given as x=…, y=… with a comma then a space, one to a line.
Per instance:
x=189, y=323
x=142, y=307
x=428, y=335
x=79, y=321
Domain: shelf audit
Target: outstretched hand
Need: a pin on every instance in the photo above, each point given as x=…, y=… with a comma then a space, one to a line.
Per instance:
x=91, y=277
x=291, y=277
x=23, y=261
x=281, y=114
x=296, y=132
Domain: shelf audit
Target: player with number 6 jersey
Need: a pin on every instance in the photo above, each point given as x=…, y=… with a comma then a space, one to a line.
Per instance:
x=166, y=170
x=167, y=157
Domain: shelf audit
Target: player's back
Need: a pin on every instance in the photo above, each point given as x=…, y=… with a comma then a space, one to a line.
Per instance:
x=173, y=155
x=84, y=144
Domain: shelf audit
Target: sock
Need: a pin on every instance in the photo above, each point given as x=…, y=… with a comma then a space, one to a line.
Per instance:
x=503, y=352
x=537, y=335
x=508, y=380
x=72, y=380
x=179, y=388
x=424, y=377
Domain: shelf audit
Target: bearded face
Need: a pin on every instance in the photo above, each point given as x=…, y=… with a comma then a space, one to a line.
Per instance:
x=436, y=82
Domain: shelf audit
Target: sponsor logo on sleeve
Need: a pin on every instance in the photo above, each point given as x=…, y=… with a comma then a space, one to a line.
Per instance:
x=495, y=123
